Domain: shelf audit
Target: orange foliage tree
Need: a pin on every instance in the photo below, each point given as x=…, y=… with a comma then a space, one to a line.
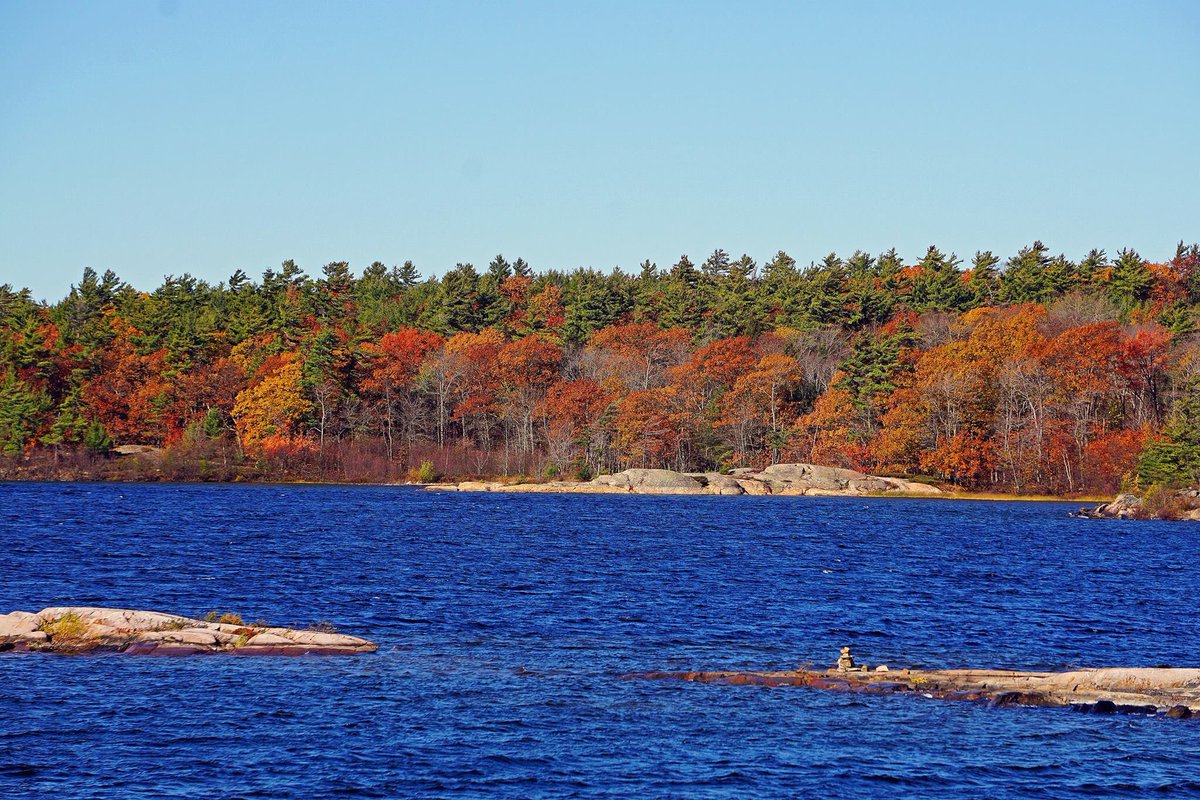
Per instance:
x=393, y=364
x=832, y=433
x=638, y=355
x=647, y=427
x=759, y=407
x=130, y=393
x=525, y=369
x=471, y=366
x=576, y=425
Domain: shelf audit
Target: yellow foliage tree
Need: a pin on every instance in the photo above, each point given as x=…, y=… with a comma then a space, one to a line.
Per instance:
x=271, y=407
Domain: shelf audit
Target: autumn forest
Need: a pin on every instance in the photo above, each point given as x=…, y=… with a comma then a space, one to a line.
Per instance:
x=1028, y=374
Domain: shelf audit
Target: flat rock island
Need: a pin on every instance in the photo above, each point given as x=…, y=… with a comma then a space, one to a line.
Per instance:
x=85, y=629
x=1139, y=690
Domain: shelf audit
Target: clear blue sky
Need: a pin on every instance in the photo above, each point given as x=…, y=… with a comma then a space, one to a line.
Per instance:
x=202, y=137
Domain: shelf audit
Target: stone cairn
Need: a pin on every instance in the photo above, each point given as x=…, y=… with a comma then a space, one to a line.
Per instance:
x=845, y=663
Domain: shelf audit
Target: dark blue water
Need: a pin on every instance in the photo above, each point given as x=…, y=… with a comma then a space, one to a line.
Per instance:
x=506, y=623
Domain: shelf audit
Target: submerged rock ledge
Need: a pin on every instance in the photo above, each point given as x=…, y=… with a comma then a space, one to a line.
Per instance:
x=85, y=629
x=1138, y=690
x=777, y=479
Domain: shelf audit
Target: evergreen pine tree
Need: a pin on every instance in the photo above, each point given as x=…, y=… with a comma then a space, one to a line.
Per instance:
x=1130, y=281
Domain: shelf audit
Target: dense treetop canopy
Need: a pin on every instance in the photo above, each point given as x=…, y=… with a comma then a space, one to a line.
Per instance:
x=1027, y=372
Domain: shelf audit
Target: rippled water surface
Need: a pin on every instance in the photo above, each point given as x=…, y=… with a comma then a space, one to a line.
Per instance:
x=507, y=622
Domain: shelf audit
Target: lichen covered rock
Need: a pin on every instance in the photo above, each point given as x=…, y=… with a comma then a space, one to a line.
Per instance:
x=84, y=629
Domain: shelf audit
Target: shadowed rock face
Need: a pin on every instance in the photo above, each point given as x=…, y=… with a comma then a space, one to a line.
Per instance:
x=84, y=629
x=781, y=479
x=1175, y=692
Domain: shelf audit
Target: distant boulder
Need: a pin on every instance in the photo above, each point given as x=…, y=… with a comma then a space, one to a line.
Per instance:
x=136, y=450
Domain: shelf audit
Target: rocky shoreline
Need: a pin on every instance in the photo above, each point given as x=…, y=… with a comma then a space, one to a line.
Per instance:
x=86, y=629
x=1138, y=690
x=777, y=479
x=1130, y=506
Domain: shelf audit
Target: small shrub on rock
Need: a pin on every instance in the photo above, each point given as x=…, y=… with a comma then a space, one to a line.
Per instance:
x=173, y=625
x=68, y=627
x=1161, y=502
x=424, y=473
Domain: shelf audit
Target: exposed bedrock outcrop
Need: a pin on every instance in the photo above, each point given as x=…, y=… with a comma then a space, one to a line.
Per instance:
x=777, y=479
x=1139, y=690
x=1130, y=506
x=1124, y=506
x=84, y=629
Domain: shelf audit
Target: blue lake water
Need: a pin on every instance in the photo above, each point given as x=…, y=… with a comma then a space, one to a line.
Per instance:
x=506, y=623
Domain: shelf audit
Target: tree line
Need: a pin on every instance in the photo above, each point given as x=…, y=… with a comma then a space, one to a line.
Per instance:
x=1030, y=373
